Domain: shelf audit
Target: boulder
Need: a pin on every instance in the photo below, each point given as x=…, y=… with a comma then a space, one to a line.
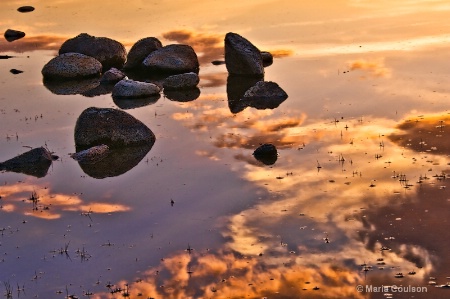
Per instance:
x=35, y=162
x=266, y=153
x=111, y=127
x=12, y=35
x=141, y=49
x=134, y=89
x=265, y=95
x=242, y=57
x=174, y=59
x=236, y=88
x=71, y=66
x=113, y=75
x=109, y=52
x=181, y=81
x=92, y=155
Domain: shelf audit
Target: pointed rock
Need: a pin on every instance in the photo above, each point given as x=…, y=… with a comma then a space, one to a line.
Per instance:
x=140, y=50
x=242, y=57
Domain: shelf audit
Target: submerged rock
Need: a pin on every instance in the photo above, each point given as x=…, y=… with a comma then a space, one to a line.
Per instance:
x=181, y=81
x=265, y=95
x=113, y=75
x=109, y=52
x=12, y=35
x=242, y=57
x=134, y=89
x=175, y=59
x=91, y=155
x=71, y=66
x=140, y=50
x=35, y=162
x=25, y=9
x=266, y=153
x=112, y=127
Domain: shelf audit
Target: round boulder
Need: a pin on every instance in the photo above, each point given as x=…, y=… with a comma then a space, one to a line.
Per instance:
x=242, y=57
x=111, y=127
x=134, y=89
x=266, y=153
x=181, y=81
x=72, y=66
x=141, y=49
x=175, y=59
x=113, y=75
x=109, y=52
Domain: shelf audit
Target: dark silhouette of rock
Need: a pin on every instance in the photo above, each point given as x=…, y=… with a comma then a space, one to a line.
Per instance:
x=242, y=57
x=70, y=87
x=265, y=95
x=267, y=58
x=109, y=52
x=134, y=89
x=117, y=162
x=133, y=103
x=181, y=81
x=266, y=153
x=6, y=57
x=25, y=9
x=12, y=35
x=15, y=71
x=35, y=162
x=236, y=88
x=140, y=50
x=71, y=66
x=112, y=127
x=113, y=75
x=182, y=95
x=172, y=59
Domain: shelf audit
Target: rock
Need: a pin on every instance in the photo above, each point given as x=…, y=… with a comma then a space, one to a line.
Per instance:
x=12, y=35
x=140, y=50
x=267, y=58
x=174, y=59
x=113, y=75
x=109, y=52
x=181, y=81
x=265, y=95
x=182, y=95
x=35, y=162
x=91, y=155
x=134, y=89
x=236, y=88
x=100, y=89
x=71, y=66
x=266, y=153
x=25, y=9
x=242, y=57
x=112, y=127
x=15, y=71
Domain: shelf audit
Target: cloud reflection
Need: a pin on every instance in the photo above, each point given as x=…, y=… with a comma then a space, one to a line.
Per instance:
x=373, y=68
x=34, y=43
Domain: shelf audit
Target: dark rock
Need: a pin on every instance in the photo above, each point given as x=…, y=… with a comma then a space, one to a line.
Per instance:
x=266, y=153
x=35, y=162
x=6, y=57
x=15, y=71
x=91, y=155
x=12, y=35
x=181, y=81
x=71, y=66
x=109, y=52
x=117, y=162
x=113, y=75
x=99, y=90
x=236, y=88
x=265, y=95
x=25, y=9
x=173, y=59
x=71, y=87
x=267, y=58
x=242, y=57
x=218, y=62
x=134, y=89
x=112, y=127
x=127, y=103
x=140, y=50
x=182, y=95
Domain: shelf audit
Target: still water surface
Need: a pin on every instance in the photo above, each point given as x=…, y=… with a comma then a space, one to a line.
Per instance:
x=358, y=193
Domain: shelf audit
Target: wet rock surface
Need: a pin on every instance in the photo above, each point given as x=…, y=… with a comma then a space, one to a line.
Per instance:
x=71, y=66
x=172, y=59
x=35, y=162
x=111, y=127
x=12, y=35
x=242, y=57
x=140, y=50
x=181, y=81
x=266, y=153
x=109, y=52
x=134, y=89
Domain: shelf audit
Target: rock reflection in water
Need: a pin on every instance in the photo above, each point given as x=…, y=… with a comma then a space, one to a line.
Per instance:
x=125, y=104
x=117, y=162
x=236, y=88
x=72, y=87
x=35, y=162
x=185, y=95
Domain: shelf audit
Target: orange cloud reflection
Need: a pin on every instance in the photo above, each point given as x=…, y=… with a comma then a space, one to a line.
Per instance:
x=374, y=68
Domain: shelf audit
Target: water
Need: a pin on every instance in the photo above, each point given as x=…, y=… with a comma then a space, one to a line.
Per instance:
x=358, y=193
